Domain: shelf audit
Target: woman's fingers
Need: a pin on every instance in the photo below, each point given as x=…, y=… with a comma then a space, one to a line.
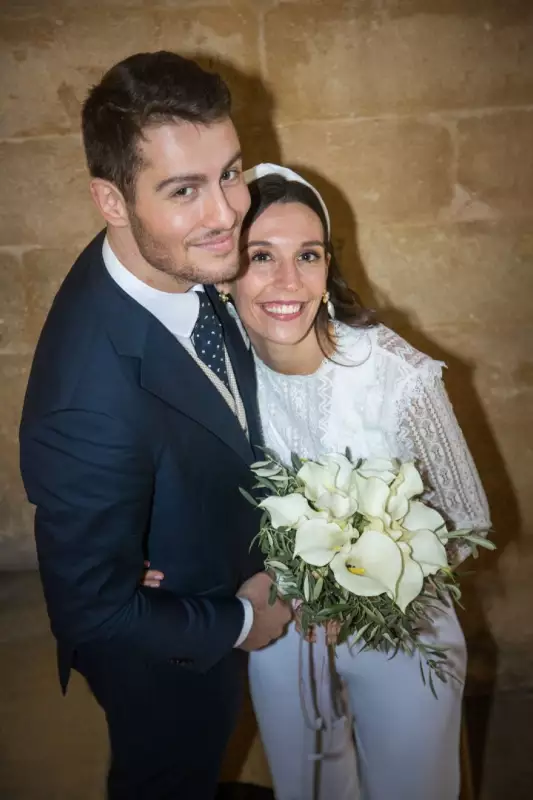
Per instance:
x=332, y=631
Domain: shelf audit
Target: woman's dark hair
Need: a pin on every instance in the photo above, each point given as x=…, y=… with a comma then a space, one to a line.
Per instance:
x=271, y=189
x=144, y=90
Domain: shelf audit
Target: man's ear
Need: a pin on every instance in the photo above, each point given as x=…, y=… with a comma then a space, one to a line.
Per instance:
x=110, y=203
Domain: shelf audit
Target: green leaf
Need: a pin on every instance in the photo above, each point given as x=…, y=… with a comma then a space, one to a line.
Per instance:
x=306, y=587
x=359, y=635
x=480, y=541
x=421, y=671
x=431, y=685
x=273, y=594
x=277, y=565
x=267, y=484
x=296, y=462
x=318, y=588
x=248, y=496
x=460, y=534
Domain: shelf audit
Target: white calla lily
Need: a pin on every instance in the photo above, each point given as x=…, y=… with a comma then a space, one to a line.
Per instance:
x=338, y=506
x=411, y=580
x=428, y=550
x=331, y=485
x=406, y=485
x=373, y=496
x=371, y=566
x=421, y=517
x=317, y=541
x=317, y=478
x=288, y=511
x=344, y=470
x=383, y=468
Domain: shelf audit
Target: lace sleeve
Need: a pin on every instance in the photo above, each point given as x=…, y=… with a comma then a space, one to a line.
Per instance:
x=429, y=431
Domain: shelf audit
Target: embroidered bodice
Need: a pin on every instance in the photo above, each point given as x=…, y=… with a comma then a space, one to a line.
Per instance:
x=379, y=397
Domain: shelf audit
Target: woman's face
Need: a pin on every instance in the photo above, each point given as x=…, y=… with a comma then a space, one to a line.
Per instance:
x=283, y=275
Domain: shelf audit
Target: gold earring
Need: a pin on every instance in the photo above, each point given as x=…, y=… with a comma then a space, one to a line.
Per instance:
x=325, y=297
x=224, y=296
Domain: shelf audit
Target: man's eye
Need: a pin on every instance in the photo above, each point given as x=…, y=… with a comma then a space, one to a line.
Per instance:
x=261, y=256
x=183, y=191
x=230, y=175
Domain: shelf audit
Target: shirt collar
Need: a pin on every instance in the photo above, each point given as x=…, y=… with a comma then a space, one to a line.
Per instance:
x=178, y=311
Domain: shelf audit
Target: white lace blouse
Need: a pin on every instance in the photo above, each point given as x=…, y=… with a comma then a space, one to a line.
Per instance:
x=379, y=397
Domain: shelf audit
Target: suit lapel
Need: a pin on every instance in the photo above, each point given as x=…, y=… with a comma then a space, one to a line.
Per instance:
x=169, y=372
x=166, y=368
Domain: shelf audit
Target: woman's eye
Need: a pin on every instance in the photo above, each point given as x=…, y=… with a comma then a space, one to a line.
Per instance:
x=260, y=257
x=309, y=256
x=230, y=175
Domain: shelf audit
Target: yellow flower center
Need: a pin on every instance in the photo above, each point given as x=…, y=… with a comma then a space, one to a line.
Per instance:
x=356, y=570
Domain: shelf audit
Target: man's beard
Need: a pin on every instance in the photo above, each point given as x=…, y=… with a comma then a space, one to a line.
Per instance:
x=160, y=258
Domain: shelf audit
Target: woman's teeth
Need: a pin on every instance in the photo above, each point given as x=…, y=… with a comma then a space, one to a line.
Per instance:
x=284, y=308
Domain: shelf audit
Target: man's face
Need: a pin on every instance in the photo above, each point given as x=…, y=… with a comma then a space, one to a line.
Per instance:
x=190, y=200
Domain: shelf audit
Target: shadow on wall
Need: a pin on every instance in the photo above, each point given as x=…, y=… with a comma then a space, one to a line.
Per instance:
x=252, y=111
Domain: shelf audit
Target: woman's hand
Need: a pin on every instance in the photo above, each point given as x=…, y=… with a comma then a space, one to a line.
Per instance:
x=152, y=577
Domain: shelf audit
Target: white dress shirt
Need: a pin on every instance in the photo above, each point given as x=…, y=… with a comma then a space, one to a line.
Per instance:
x=178, y=312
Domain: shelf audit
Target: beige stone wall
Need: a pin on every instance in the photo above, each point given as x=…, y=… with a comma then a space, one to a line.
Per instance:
x=415, y=118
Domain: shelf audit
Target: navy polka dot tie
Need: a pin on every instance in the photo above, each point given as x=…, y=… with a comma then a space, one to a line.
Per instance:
x=208, y=339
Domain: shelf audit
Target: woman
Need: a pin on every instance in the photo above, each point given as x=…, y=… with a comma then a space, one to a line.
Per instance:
x=330, y=378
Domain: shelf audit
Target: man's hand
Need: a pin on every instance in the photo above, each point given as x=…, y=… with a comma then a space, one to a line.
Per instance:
x=269, y=621
x=152, y=577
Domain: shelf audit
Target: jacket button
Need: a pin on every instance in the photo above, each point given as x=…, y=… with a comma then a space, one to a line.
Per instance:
x=180, y=662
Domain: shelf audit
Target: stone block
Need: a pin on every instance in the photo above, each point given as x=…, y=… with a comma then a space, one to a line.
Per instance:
x=496, y=160
x=194, y=4
x=225, y=40
x=44, y=271
x=369, y=59
x=52, y=7
x=16, y=515
x=387, y=170
x=48, y=61
x=490, y=383
x=45, y=193
x=483, y=272
x=13, y=310
x=259, y=143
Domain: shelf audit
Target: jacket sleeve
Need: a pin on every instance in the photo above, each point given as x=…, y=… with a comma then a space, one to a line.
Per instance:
x=92, y=485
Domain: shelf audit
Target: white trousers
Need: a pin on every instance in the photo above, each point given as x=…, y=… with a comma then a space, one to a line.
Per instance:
x=406, y=740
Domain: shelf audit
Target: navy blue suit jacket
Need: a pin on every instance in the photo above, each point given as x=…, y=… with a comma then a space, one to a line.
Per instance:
x=129, y=452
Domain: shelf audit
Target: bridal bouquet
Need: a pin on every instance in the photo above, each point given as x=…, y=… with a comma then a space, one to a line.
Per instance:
x=353, y=543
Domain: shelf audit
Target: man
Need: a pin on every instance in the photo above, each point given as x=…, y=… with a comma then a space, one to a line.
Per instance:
x=138, y=429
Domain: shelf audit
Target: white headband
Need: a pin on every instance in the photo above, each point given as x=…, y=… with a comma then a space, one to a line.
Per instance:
x=260, y=170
